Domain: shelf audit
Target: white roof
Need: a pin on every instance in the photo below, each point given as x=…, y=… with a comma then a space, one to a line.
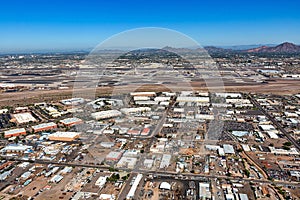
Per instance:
x=295, y=173
x=165, y=161
x=165, y=185
x=65, y=134
x=292, y=151
x=212, y=147
x=243, y=196
x=13, y=131
x=101, y=181
x=134, y=186
x=134, y=110
x=204, y=191
x=127, y=162
x=56, y=178
x=24, y=117
x=228, y=149
x=245, y=147
x=107, y=196
x=192, y=99
x=142, y=93
x=162, y=98
x=204, y=116
x=234, y=95
x=43, y=125
x=272, y=135
x=106, y=114
x=240, y=133
x=267, y=127
x=70, y=120
x=16, y=147
x=114, y=155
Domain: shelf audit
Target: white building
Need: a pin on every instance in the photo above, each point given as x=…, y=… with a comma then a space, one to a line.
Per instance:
x=165, y=161
x=228, y=149
x=24, y=117
x=101, y=181
x=106, y=114
x=134, y=186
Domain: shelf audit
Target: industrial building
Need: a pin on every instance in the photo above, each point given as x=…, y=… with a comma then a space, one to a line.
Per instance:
x=44, y=127
x=56, y=179
x=193, y=99
x=15, y=148
x=228, y=149
x=204, y=191
x=14, y=132
x=71, y=121
x=127, y=162
x=114, y=156
x=72, y=101
x=148, y=94
x=135, y=110
x=24, y=118
x=145, y=131
x=106, y=114
x=107, y=144
x=64, y=136
x=134, y=186
x=165, y=161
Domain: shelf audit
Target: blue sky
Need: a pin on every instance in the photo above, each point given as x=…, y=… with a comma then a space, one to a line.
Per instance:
x=31, y=25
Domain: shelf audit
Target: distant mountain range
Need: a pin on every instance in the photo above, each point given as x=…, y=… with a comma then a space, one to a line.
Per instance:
x=282, y=48
x=285, y=47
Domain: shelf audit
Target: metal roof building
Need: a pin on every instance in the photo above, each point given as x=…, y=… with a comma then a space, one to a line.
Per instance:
x=114, y=156
x=228, y=149
x=132, y=190
x=64, y=136
x=24, y=117
x=165, y=161
x=71, y=121
x=44, y=127
x=106, y=114
x=14, y=132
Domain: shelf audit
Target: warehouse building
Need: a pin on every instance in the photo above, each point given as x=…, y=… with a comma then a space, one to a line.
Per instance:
x=231, y=95
x=228, y=149
x=204, y=191
x=64, y=136
x=106, y=114
x=134, y=186
x=71, y=121
x=114, y=156
x=165, y=161
x=56, y=179
x=135, y=110
x=145, y=131
x=44, y=127
x=193, y=99
x=72, y=101
x=15, y=148
x=147, y=94
x=24, y=118
x=127, y=162
x=107, y=144
x=14, y=132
